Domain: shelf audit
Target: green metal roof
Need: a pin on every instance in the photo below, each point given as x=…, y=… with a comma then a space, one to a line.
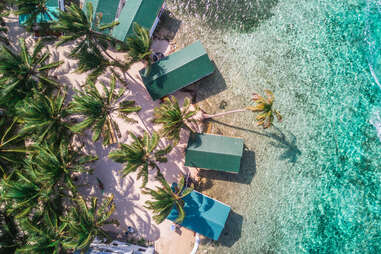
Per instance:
x=52, y=3
x=143, y=12
x=178, y=70
x=108, y=8
x=214, y=152
x=50, y=15
x=203, y=215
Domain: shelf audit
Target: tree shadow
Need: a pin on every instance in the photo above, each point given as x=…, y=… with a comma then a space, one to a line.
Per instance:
x=280, y=140
x=241, y=15
x=245, y=175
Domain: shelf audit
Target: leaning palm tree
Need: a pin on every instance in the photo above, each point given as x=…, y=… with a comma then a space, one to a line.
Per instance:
x=265, y=107
x=91, y=41
x=12, y=148
x=139, y=46
x=142, y=154
x=32, y=9
x=173, y=118
x=98, y=110
x=84, y=223
x=23, y=72
x=44, y=117
x=165, y=198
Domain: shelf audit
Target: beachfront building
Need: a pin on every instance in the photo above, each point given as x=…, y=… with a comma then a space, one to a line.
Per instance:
x=203, y=215
x=215, y=152
x=127, y=12
x=99, y=247
x=177, y=71
x=51, y=14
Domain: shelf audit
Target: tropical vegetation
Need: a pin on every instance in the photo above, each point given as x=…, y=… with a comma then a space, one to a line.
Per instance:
x=142, y=154
x=97, y=110
x=265, y=107
x=165, y=198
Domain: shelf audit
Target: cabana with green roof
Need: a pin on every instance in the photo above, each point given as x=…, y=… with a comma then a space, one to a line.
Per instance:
x=52, y=11
x=214, y=152
x=144, y=12
x=203, y=215
x=177, y=71
x=107, y=8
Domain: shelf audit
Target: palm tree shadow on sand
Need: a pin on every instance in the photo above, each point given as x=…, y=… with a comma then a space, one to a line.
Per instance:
x=279, y=140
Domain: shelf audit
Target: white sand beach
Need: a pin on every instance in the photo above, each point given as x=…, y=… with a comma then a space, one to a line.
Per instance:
x=128, y=198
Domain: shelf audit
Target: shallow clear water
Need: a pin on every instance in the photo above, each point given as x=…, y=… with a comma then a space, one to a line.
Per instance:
x=317, y=175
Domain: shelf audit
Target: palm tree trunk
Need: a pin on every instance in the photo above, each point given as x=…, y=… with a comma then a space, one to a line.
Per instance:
x=207, y=116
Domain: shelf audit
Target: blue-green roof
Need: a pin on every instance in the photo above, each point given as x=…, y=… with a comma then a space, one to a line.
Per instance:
x=143, y=12
x=50, y=15
x=214, y=152
x=178, y=70
x=107, y=8
x=203, y=215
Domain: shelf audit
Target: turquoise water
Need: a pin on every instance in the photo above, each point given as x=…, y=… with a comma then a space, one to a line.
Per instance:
x=316, y=186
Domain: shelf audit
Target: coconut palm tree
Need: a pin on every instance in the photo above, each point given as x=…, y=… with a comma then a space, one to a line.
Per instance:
x=265, y=107
x=142, y=154
x=85, y=222
x=139, y=46
x=165, y=199
x=98, y=110
x=173, y=118
x=91, y=38
x=23, y=72
x=10, y=236
x=4, y=5
x=44, y=117
x=12, y=149
x=32, y=9
x=44, y=235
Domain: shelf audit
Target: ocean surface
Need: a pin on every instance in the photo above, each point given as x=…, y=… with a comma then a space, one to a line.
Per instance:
x=311, y=184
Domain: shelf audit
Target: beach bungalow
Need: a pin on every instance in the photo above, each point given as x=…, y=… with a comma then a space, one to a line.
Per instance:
x=203, y=215
x=144, y=12
x=107, y=8
x=51, y=14
x=177, y=71
x=214, y=152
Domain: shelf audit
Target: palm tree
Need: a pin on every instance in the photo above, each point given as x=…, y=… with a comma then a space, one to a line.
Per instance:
x=173, y=118
x=92, y=44
x=44, y=236
x=32, y=8
x=24, y=72
x=44, y=117
x=165, y=199
x=84, y=223
x=141, y=155
x=98, y=109
x=10, y=235
x=12, y=148
x=265, y=107
x=4, y=5
x=139, y=46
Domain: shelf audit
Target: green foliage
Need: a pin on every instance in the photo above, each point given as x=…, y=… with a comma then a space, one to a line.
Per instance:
x=12, y=149
x=139, y=46
x=32, y=8
x=97, y=110
x=165, y=199
x=44, y=117
x=265, y=107
x=173, y=118
x=142, y=154
x=4, y=6
x=91, y=44
x=10, y=235
x=84, y=222
x=24, y=72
